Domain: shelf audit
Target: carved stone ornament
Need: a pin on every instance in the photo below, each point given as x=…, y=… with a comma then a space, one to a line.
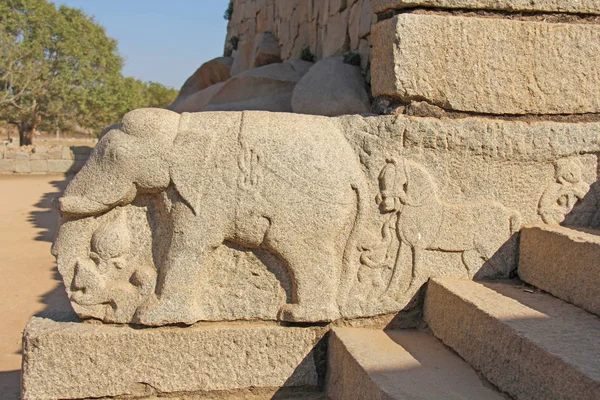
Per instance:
x=560, y=197
x=273, y=216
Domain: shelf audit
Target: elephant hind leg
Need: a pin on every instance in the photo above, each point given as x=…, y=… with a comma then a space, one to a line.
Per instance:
x=314, y=270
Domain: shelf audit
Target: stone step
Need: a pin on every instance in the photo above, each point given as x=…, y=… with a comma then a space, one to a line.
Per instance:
x=404, y=364
x=530, y=345
x=564, y=262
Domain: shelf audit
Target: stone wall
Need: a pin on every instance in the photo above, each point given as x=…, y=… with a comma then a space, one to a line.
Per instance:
x=325, y=27
x=40, y=159
x=511, y=57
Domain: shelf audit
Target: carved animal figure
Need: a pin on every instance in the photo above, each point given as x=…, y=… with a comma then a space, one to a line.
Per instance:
x=424, y=222
x=108, y=276
x=560, y=197
x=287, y=183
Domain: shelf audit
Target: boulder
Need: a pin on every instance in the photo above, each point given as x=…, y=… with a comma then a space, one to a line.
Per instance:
x=267, y=88
x=211, y=72
x=196, y=101
x=242, y=58
x=266, y=50
x=331, y=88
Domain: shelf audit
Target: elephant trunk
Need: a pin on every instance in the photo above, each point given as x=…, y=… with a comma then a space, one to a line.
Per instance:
x=128, y=157
x=86, y=204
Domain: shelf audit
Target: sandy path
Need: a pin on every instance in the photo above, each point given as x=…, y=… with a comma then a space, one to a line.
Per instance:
x=29, y=282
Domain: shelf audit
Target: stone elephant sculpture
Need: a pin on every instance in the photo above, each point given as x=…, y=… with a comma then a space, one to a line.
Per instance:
x=286, y=183
x=424, y=222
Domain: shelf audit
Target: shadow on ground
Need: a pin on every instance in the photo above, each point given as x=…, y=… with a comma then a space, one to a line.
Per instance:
x=9, y=385
x=44, y=219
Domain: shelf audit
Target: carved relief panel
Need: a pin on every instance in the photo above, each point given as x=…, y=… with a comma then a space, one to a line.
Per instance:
x=227, y=216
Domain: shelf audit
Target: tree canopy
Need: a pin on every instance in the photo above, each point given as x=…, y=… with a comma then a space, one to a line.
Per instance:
x=57, y=67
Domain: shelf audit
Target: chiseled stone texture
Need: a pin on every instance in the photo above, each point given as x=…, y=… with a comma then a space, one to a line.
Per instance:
x=22, y=166
x=577, y=6
x=564, y=262
x=60, y=166
x=530, y=345
x=488, y=65
x=275, y=216
x=7, y=165
x=74, y=360
x=369, y=364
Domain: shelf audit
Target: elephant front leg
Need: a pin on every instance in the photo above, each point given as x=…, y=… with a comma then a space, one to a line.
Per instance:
x=179, y=276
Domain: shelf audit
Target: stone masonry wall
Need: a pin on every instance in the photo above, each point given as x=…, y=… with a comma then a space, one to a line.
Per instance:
x=325, y=27
x=41, y=159
x=507, y=57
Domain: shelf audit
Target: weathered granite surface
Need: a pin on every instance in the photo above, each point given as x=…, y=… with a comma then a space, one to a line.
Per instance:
x=369, y=364
x=578, y=6
x=563, y=262
x=488, y=65
x=325, y=28
x=274, y=216
x=74, y=360
x=531, y=346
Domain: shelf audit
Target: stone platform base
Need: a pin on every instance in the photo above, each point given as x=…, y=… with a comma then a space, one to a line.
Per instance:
x=76, y=360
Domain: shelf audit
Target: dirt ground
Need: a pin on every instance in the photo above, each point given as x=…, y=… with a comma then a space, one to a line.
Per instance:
x=29, y=281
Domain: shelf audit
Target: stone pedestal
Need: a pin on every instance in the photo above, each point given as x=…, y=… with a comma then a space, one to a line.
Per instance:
x=77, y=360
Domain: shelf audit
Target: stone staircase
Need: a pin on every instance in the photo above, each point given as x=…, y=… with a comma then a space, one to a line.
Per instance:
x=505, y=339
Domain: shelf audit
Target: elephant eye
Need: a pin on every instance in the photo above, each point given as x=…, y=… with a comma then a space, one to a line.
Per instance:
x=94, y=257
x=114, y=154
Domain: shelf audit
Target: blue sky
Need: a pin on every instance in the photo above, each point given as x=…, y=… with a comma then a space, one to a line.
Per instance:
x=161, y=41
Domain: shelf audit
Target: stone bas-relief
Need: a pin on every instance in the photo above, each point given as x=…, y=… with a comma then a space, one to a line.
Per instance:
x=274, y=216
x=560, y=197
x=424, y=222
x=284, y=184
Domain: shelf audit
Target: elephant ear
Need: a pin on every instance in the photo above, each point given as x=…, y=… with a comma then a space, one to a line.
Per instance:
x=194, y=150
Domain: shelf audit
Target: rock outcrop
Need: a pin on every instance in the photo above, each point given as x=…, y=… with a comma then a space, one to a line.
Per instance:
x=331, y=88
x=268, y=88
x=211, y=72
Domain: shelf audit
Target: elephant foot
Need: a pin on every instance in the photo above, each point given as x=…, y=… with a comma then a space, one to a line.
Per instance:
x=158, y=312
x=300, y=313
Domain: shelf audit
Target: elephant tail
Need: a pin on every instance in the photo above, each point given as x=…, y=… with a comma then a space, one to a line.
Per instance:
x=515, y=221
x=352, y=251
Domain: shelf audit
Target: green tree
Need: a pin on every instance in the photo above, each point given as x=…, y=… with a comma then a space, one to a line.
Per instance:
x=55, y=64
x=160, y=96
x=132, y=93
